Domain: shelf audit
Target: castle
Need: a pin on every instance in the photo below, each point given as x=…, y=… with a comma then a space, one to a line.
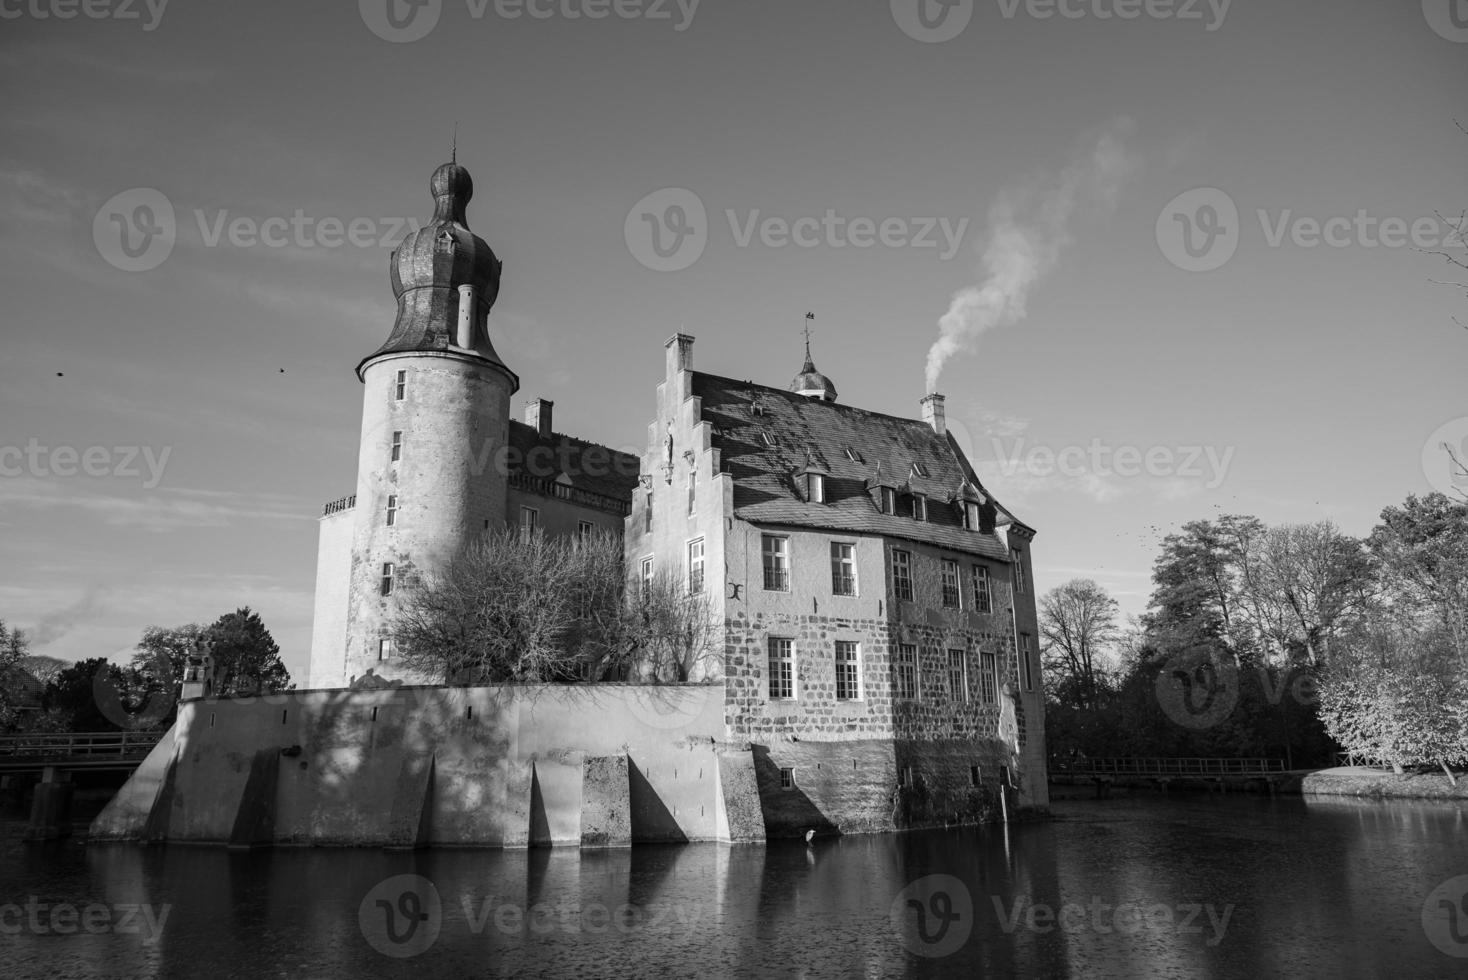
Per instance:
x=872, y=663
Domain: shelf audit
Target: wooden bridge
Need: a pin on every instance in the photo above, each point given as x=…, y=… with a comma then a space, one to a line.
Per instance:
x=1219, y=773
x=75, y=750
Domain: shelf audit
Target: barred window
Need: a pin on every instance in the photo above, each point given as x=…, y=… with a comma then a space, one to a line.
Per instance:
x=848, y=670
x=907, y=680
x=843, y=568
x=782, y=669
x=902, y=574
x=776, y=549
x=951, y=592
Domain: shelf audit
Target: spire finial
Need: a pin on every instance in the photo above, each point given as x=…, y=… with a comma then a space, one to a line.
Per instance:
x=810, y=319
x=454, y=154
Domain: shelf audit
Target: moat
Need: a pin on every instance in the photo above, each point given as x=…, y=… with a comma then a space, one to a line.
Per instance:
x=1187, y=886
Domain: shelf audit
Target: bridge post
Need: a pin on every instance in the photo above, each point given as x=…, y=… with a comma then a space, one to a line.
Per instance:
x=51, y=807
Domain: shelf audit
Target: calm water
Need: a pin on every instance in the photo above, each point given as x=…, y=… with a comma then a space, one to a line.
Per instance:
x=1144, y=887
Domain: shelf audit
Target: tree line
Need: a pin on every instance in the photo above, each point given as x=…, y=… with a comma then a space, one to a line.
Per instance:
x=1318, y=641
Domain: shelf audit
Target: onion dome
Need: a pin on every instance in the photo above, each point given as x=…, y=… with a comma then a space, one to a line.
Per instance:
x=429, y=270
x=812, y=383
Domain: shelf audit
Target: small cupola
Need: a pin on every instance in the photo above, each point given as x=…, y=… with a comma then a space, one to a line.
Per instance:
x=811, y=478
x=810, y=382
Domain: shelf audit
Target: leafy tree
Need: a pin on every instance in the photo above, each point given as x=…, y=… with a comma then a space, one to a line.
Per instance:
x=1195, y=598
x=72, y=694
x=1422, y=549
x=13, y=651
x=246, y=657
x=1077, y=624
x=44, y=668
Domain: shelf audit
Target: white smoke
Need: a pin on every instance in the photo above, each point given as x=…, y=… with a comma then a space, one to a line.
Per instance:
x=1028, y=230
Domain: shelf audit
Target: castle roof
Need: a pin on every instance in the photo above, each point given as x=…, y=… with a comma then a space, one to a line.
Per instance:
x=767, y=435
x=584, y=466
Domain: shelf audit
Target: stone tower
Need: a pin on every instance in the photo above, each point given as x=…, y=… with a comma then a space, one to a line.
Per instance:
x=435, y=410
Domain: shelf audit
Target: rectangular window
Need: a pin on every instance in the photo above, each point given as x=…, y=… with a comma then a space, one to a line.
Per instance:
x=951, y=591
x=384, y=649
x=970, y=515
x=647, y=514
x=692, y=492
x=919, y=507
x=889, y=500
x=902, y=575
x=401, y=386
x=848, y=670
x=815, y=488
x=782, y=669
x=1019, y=571
x=787, y=778
x=988, y=677
x=776, y=549
x=646, y=577
x=958, y=675
x=907, y=679
x=975, y=778
x=1024, y=661
x=843, y=568
x=397, y=446
x=387, y=577
x=584, y=531
x=529, y=522
x=983, y=595
x=392, y=509
x=695, y=566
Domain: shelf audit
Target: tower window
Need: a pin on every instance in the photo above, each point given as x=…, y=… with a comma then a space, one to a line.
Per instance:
x=392, y=509
x=401, y=386
x=1024, y=661
x=397, y=446
x=384, y=648
x=387, y=578
x=1019, y=570
x=695, y=566
x=647, y=514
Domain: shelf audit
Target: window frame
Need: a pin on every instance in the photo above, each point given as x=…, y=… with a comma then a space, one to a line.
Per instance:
x=775, y=562
x=785, y=660
x=400, y=385
x=953, y=590
x=695, y=584
x=384, y=648
x=920, y=507
x=988, y=677
x=958, y=671
x=887, y=497
x=983, y=590
x=907, y=686
x=1017, y=573
x=529, y=528
x=1027, y=673
x=854, y=670
x=395, y=454
x=389, y=576
x=902, y=585
x=392, y=510
x=645, y=572
x=839, y=562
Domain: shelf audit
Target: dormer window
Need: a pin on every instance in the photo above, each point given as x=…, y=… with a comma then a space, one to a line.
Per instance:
x=888, y=500
x=919, y=507
x=815, y=488
x=970, y=515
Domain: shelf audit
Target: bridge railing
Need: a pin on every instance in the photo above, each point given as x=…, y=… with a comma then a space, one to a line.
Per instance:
x=1167, y=767
x=72, y=745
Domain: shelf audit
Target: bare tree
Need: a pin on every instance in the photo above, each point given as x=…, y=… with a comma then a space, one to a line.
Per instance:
x=1077, y=622
x=1300, y=583
x=677, y=632
x=1454, y=251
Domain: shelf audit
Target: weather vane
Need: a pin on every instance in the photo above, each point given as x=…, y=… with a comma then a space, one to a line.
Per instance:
x=810, y=319
x=454, y=154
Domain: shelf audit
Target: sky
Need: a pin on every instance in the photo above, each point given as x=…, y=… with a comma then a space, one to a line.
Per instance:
x=1180, y=254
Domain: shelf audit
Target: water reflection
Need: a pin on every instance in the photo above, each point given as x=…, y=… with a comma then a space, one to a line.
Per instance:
x=1188, y=887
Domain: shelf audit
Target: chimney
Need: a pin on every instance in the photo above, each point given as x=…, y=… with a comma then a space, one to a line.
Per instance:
x=538, y=416
x=680, y=353
x=465, y=336
x=933, y=413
